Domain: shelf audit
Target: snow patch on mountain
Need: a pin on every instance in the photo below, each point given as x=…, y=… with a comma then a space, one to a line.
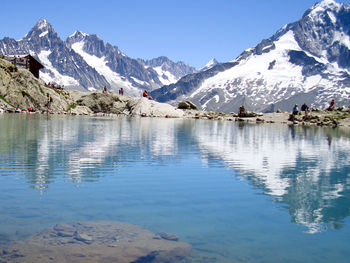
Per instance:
x=44, y=33
x=165, y=76
x=51, y=74
x=256, y=68
x=325, y=4
x=100, y=64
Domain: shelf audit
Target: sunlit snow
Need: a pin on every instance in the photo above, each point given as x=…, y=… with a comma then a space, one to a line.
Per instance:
x=264, y=84
x=170, y=78
x=55, y=77
x=100, y=64
x=44, y=33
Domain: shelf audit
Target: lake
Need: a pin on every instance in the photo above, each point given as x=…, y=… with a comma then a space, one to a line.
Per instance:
x=236, y=192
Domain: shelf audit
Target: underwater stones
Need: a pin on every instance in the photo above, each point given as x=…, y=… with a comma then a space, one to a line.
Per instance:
x=83, y=237
x=97, y=241
x=168, y=236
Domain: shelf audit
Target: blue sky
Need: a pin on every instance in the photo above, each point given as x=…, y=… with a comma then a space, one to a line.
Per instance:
x=193, y=31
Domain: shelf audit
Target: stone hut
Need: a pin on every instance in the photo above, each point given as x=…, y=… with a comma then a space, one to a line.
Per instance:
x=25, y=61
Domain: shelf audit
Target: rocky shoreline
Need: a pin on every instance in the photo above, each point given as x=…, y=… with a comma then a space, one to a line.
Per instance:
x=140, y=107
x=20, y=91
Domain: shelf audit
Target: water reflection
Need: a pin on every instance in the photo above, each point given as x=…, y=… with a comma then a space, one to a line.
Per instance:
x=306, y=169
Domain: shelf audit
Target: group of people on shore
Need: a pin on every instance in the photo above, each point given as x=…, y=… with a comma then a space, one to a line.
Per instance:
x=306, y=108
x=32, y=109
x=54, y=86
x=121, y=92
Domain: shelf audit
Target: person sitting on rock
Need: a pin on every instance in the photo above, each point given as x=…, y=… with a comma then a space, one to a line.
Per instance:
x=145, y=94
x=303, y=107
x=307, y=111
x=331, y=106
x=241, y=112
x=295, y=110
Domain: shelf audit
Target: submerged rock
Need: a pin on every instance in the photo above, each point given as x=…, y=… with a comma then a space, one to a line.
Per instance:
x=98, y=241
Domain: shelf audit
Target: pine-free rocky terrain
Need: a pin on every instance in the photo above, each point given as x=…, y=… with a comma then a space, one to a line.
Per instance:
x=20, y=90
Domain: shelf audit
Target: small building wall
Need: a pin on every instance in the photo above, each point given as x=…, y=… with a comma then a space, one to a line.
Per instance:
x=27, y=62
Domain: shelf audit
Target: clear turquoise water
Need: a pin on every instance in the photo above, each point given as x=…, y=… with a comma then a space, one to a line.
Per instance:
x=237, y=193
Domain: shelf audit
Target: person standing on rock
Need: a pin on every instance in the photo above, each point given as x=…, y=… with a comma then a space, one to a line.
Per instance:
x=331, y=106
x=49, y=102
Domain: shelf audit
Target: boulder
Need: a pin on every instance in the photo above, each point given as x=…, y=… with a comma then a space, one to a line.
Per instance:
x=80, y=110
x=151, y=108
x=187, y=105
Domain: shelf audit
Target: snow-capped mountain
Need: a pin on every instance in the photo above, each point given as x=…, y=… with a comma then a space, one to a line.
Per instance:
x=85, y=62
x=213, y=62
x=306, y=61
x=168, y=71
x=62, y=65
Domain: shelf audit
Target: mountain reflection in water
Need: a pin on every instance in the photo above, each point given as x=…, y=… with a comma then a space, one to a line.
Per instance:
x=305, y=168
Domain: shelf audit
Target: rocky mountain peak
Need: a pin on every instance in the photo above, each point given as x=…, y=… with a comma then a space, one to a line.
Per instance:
x=77, y=36
x=41, y=28
x=326, y=4
x=324, y=31
x=323, y=7
x=157, y=62
x=43, y=24
x=41, y=37
x=213, y=62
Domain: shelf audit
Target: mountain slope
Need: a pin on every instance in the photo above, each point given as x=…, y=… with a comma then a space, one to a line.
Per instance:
x=306, y=61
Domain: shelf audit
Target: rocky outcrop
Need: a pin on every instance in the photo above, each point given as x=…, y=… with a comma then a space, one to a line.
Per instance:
x=111, y=103
x=19, y=89
x=97, y=241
